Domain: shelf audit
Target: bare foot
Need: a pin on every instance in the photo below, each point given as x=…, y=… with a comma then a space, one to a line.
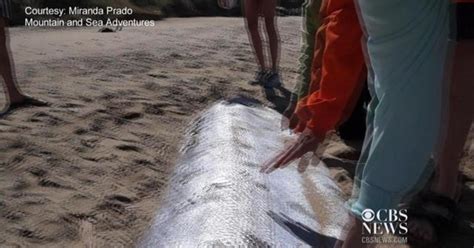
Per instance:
x=24, y=101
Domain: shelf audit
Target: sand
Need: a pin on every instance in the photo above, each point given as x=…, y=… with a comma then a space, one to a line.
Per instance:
x=89, y=170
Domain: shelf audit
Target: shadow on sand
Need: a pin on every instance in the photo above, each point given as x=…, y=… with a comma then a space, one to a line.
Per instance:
x=279, y=96
x=280, y=101
x=303, y=232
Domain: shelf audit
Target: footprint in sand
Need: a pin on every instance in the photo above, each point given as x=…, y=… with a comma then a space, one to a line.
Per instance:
x=159, y=75
x=26, y=233
x=154, y=109
x=49, y=183
x=38, y=172
x=132, y=115
x=89, y=143
x=80, y=131
x=128, y=148
x=120, y=198
x=46, y=118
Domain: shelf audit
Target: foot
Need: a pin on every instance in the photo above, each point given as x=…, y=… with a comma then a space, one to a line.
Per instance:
x=430, y=215
x=422, y=228
x=23, y=102
x=26, y=101
x=273, y=80
x=260, y=78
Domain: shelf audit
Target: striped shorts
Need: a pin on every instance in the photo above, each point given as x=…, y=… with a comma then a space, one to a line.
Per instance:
x=6, y=9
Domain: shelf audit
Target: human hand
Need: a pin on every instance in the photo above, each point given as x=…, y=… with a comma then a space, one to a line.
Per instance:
x=305, y=143
x=289, y=118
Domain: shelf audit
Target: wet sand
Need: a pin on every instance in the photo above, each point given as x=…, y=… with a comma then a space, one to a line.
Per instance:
x=90, y=170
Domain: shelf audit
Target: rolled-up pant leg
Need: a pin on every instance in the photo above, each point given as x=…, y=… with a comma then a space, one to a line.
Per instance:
x=407, y=49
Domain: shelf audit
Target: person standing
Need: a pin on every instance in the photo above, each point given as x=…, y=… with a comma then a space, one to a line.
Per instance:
x=338, y=73
x=16, y=99
x=311, y=24
x=317, y=24
x=406, y=45
x=268, y=72
x=437, y=210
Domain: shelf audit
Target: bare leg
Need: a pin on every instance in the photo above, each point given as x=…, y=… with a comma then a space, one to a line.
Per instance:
x=460, y=116
x=16, y=98
x=272, y=31
x=251, y=15
x=460, y=113
x=13, y=93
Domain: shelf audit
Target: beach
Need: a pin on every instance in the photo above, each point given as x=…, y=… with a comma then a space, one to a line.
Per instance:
x=89, y=171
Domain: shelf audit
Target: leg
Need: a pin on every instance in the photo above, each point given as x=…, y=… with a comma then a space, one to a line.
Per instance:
x=459, y=119
x=311, y=23
x=251, y=8
x=407, y=58
x=268, y=9
x=301, y=113
x=16, y=98
x=13, y=93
